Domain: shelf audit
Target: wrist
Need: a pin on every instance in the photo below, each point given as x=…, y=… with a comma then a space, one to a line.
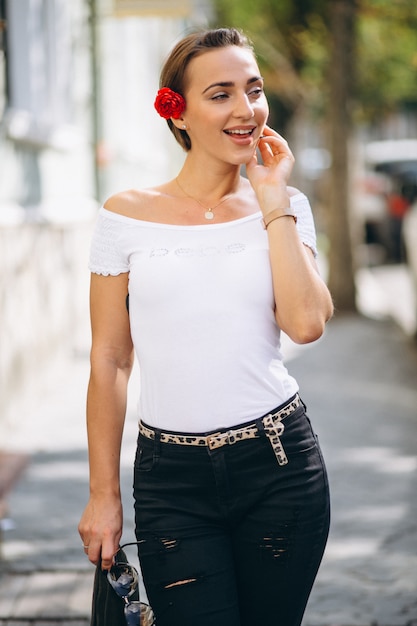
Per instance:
x=105, y=492
x=276, y=214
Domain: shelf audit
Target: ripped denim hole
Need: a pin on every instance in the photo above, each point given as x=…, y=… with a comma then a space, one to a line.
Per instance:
x=278, y=544
x=178, y=583
x=169, y=543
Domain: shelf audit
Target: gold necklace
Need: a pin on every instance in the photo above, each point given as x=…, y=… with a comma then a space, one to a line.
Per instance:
x=208, y=211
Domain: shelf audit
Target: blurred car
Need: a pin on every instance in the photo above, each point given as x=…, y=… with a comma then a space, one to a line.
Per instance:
x=385, y=193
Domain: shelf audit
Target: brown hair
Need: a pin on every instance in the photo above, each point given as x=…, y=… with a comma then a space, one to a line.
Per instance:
x=191, y=46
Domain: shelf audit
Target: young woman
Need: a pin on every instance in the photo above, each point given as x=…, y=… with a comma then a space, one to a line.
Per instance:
x=231, y=495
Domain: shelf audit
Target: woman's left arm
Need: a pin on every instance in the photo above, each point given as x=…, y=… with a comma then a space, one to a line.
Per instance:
x=303, y=303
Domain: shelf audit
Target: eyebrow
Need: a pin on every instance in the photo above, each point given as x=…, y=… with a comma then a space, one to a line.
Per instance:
x=254, y=79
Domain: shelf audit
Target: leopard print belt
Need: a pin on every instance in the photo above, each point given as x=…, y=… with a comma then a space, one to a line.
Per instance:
x=272, y=426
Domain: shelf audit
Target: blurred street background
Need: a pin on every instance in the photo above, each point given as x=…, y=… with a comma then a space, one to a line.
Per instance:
x=77, y=124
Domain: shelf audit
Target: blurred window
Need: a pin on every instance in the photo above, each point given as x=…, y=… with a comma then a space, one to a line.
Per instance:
x=39, y=60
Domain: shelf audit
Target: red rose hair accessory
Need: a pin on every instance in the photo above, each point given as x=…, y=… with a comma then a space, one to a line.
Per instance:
x=169, y=103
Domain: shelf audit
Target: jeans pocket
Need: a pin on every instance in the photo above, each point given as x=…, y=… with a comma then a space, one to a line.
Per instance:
x=298, y=438
x=145, y=459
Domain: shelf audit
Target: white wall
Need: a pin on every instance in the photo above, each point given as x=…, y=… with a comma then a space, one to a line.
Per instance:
x=138, y=149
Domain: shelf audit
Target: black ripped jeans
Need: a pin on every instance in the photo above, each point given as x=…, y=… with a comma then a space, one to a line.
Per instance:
x=229, y=537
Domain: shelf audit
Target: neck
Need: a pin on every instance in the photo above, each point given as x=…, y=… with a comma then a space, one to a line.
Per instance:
x=209, y=186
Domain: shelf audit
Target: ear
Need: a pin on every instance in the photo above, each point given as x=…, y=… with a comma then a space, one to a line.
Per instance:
x=179, y=123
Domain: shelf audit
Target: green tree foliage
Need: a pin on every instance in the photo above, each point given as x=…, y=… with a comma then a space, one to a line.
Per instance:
x=292, y=42
x=387, y=57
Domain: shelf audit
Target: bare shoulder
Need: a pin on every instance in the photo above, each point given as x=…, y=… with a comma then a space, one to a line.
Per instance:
x=132, y=202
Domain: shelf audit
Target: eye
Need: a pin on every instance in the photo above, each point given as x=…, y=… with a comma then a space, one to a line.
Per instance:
x=255, y=93
x=220, y=96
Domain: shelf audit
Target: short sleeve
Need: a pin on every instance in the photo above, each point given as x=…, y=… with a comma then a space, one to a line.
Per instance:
x=305, y=221
x=106, y=256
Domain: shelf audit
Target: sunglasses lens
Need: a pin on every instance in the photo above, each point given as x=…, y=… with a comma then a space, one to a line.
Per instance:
x=123, y=579
x=132, y=614
x=139, y=614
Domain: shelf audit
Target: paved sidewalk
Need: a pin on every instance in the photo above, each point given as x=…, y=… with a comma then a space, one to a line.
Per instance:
x=359, y=383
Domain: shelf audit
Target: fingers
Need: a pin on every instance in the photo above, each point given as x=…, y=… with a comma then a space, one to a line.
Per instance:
x=274, y=145
x=270, y=132
x=88, y=546
x=100, y=529
x=99, y=543
x=278, y=160
x=108, y=550
x=275, y=165
x=93, y=551
x=104, y=550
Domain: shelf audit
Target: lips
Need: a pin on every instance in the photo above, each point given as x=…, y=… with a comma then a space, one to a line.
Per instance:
x=239, y=132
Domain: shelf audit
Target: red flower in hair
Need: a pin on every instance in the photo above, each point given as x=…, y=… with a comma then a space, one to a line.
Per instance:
x=169, y=103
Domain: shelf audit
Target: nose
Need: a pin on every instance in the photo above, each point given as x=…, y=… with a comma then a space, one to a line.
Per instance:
x=243, y=108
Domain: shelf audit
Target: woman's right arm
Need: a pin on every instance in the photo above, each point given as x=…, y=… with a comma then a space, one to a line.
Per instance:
x=111, y=364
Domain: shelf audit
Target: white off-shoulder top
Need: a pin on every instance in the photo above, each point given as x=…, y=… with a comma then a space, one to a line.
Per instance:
x=201, y=308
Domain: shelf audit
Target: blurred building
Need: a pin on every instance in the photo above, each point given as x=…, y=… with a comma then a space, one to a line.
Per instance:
x=77, y=85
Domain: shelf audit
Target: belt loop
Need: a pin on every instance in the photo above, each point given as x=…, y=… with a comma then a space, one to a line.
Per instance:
x=157, y=443
x=261, y=427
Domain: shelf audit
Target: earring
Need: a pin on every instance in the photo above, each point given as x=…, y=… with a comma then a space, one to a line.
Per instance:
x=184, y=126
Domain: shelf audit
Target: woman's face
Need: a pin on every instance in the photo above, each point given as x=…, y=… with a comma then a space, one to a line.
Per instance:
x=226, y=107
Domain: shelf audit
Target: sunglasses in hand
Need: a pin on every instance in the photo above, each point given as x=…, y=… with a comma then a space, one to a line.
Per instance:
x=124, y=580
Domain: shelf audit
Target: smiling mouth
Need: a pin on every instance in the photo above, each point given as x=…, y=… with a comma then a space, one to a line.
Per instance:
x=240, y=133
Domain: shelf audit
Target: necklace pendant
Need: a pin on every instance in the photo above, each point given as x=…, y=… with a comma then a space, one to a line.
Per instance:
x=209, y=214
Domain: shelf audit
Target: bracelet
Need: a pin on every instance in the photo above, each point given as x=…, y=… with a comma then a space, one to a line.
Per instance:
x=276, y=214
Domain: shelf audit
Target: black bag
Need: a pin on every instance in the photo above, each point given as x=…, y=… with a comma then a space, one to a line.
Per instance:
x=107, y=607
x=116, y=601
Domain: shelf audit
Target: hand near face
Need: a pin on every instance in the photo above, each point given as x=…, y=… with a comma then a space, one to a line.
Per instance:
x=270, y=178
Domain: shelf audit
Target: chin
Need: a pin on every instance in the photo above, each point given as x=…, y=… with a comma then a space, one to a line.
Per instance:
x=241, y=156
x=243, y=159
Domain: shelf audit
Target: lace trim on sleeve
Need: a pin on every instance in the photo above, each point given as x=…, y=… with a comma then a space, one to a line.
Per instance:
x=105, y=256
x=305, y=221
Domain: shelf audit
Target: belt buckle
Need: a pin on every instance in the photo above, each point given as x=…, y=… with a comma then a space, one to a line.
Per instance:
x=277, y=428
